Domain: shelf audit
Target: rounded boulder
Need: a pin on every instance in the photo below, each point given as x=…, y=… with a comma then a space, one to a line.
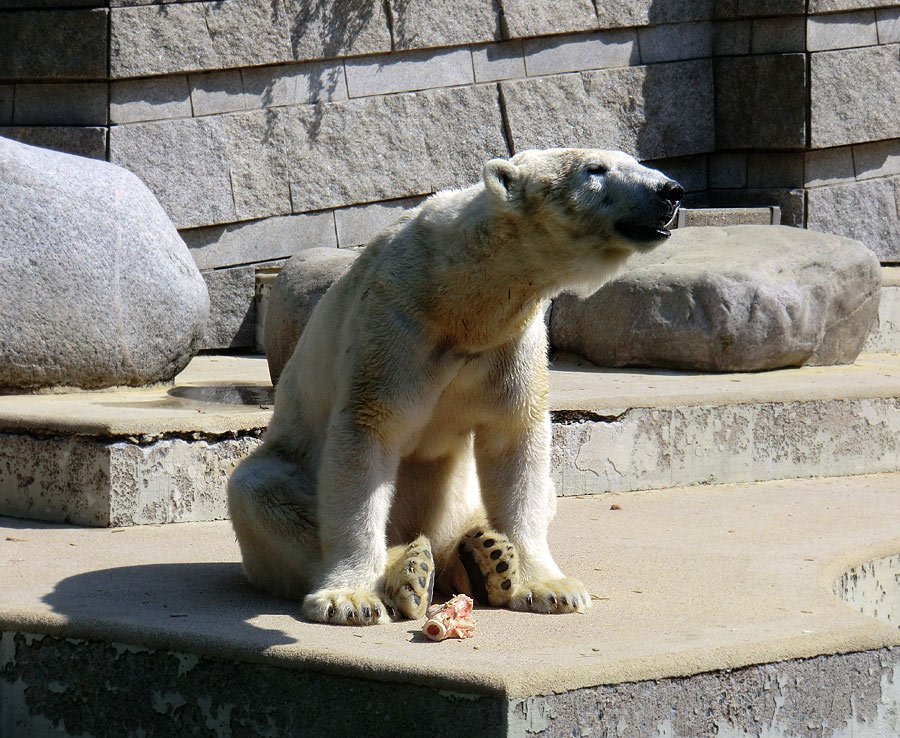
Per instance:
x=733, y=299
x=99, y=288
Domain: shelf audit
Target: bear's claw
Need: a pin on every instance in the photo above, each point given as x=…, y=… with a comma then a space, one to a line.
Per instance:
x=345, y=607
x=555, y=596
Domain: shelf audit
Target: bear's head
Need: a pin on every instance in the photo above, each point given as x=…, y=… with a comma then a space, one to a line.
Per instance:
x=599, y=202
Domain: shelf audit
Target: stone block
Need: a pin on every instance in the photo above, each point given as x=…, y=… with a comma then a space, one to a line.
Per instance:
x=885, y=336
x=524, y=18
x=185, y=162
x=578, y=52
x=775, y=170
x=6, y=104
x=720, y=217
x=295, y=293
x=830, y=6
x=294, y=83
x=65, y=103
x=325, y=29
x=829, y=166
x=260, y=240
x=653, y=112
x=346, y=153
x=866, y=211
x=732, y=38
x=652, y=12
x=740, y=298
x=196, y=36
x=878, y=159
x=218, y=92
x=778, y=35
x=689, y=171
x=727, y=170
x=209, y=170
x=232, y=308
x=412, y=70
x=99, y=290
x=85, y=141
x=868, y=109
x=761, y=102
x=841, y=31
x=494, y=62
x=792, y=203
x=53, y=44
x=155, y=98
x=676, y=41
x=357, y=225
x=887, y=21
x=759, y=8
x=419, y=24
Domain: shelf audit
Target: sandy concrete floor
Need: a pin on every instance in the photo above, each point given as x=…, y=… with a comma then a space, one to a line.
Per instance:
x=686, y=581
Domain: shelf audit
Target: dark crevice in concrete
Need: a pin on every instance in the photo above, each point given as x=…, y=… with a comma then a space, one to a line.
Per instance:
x=572, y=417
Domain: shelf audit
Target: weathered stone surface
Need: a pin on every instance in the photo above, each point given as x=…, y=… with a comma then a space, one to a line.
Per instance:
x=100, y=289
x=652, y=12
x=775, y=169
x=731, y=38
x=323, y=29
x=888, y=23
x=84, y=481
x=294, y=83
x=791, y=201
x=876, y=159
x=745, y=8
x=655, y=111
x=728, y=170
x=66, y=103
x=209, y=170
x=529, y=18
x=498, y=61
x=53, y=44
x=89, y=141
x=185, y=37
x=156, y=98
x=778, y=35
x=232, y=319
x=885, y=335
x=259, y=240
x=422, y=23
x=6, y=104
x=578, y=52
x=303, y=280
x=841, y=31
x=719, y=217
x=741, y=298
x=866, y=211
x=828, y=166
x=828, y=6
x=761, y=102
x=357, y=225
x=415, y=70
x=676, y=41
x=868, y=109
x=345, y=153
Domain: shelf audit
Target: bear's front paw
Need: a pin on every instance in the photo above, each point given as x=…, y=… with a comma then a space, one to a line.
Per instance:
x=555, y=596
x=345, y=607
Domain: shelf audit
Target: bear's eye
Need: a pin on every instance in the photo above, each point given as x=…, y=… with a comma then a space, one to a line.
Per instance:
x=594, y=169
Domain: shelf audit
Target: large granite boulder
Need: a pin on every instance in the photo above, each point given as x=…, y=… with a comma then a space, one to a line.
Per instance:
x=98, y=287
x=741, y=298
x=300, y=285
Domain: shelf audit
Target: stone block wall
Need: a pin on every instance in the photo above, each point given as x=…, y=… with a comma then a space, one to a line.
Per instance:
x=267, y=126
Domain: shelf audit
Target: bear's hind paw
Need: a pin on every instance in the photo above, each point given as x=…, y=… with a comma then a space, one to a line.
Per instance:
x=345, y=607
x=489, y=559
x=409, y=578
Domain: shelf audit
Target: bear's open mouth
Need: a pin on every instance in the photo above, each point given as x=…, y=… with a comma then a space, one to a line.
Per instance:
x=642, y=233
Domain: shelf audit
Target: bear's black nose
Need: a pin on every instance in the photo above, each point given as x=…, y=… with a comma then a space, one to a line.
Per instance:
x=672, y=192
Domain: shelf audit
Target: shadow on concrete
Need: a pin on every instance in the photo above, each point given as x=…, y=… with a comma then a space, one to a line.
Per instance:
x=201, y=602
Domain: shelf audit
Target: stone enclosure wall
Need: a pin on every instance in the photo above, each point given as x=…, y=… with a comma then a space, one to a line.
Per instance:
x=268, y=126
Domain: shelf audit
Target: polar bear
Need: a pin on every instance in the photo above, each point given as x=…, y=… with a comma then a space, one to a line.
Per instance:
x=410, y=441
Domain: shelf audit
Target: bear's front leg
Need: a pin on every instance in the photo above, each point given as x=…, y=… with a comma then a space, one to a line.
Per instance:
x=514, y=473
x=355, y=491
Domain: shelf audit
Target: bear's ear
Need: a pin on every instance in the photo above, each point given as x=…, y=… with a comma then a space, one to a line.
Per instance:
x=502, y=180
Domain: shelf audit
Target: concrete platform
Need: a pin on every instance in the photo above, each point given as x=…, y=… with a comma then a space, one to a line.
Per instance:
x=714, y=614
x=163, y=454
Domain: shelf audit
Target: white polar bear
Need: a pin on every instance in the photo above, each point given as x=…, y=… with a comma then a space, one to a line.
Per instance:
x=413, y=411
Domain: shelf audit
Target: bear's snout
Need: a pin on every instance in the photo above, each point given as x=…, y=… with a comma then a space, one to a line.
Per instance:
x=672, y=193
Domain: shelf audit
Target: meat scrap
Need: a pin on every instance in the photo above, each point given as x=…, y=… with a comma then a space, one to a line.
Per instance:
x=453, y=619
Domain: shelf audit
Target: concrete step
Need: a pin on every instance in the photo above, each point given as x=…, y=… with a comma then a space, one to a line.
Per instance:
x=163, y=454
x=715, y=613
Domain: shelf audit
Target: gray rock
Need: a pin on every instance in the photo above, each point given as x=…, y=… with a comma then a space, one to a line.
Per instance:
x=87, y=141
x=232, y=319
x=865, y=210
x=297, y=290
x=99, y=289
x=62, y=103
x=323, y=29
x=741, y=298
x=868, y=109
x=419, y=24
x=651, y=12
x=761, y=101
x=194, y=36
x=537, y=18
x=337, y=154
x=53, y=44
x=652, y=111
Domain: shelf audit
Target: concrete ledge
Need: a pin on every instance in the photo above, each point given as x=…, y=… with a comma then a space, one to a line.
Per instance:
x=704, y=597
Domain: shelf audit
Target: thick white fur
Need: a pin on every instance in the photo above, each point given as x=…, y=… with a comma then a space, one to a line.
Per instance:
x=416, y=399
